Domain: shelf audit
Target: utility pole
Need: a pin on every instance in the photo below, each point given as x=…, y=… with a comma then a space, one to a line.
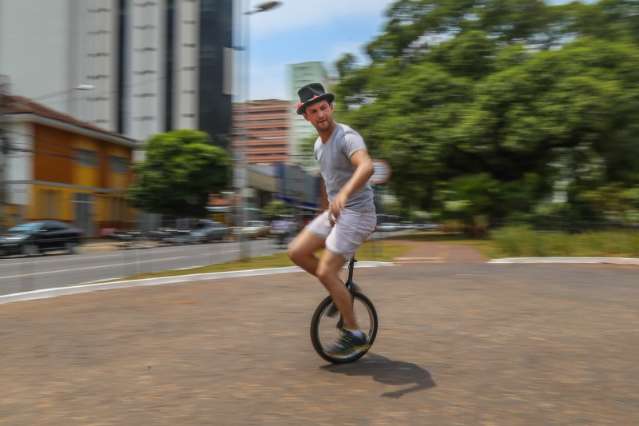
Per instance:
x=241, y=175
x=4, y=148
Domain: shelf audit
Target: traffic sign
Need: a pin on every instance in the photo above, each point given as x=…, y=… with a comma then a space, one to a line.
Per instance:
x=381, y=172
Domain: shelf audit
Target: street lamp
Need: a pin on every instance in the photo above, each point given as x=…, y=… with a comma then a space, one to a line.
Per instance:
x=242, y=163
x=263, y=7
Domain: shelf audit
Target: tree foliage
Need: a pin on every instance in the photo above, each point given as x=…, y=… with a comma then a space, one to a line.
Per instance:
x=496, y=108
x=275, y=209
x=181, y=169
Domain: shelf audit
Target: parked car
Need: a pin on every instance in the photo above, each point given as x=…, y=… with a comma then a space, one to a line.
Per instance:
x=161, y=234
x=38, y=237
x=208, y=230
x=427, y=226
x=254, y=229
x=283, y=229
x=388, y=227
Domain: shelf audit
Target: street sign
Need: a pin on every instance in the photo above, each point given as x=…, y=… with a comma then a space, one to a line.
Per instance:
x=381, y=172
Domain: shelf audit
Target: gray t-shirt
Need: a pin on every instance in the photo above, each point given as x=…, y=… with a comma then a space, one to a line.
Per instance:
x=334, y=158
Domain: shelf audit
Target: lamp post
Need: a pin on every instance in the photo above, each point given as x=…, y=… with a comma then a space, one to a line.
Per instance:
x=4, y=147
x=241, y=163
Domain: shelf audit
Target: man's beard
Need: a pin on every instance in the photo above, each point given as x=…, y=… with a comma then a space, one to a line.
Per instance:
x=323, y=125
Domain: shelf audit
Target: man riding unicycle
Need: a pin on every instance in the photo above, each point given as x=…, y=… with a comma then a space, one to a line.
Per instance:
x=346, y=168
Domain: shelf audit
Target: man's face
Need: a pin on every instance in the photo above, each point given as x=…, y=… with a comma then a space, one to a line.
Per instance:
x=320, y=115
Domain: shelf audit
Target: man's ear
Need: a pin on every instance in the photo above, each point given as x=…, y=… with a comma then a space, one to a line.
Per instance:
x=305, y=116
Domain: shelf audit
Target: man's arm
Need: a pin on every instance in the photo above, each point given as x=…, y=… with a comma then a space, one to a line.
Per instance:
x=363, y=172
x=323, y=197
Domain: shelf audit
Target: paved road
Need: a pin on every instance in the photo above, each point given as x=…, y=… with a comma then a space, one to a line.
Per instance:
x=24, y=274
x=460, y=344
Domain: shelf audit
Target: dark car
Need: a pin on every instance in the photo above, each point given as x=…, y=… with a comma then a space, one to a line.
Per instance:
x=208, y=230
x=38, y=237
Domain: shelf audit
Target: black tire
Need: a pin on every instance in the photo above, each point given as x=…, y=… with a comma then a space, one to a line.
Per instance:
x=70, y=247
x=30, y=249
x=320, y=317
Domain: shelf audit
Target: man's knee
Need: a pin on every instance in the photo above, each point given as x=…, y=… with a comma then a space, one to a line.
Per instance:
x=322, y=272
x=295, y=253
x=325, y=271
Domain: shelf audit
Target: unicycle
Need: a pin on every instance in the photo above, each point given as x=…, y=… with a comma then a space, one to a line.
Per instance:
x=327, y=322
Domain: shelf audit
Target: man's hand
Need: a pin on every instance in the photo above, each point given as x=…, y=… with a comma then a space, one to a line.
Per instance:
x=337, y=205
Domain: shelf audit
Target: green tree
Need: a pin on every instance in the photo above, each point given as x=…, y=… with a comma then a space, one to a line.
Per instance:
x=181, y=169
x=276, y=208
x=489, y=109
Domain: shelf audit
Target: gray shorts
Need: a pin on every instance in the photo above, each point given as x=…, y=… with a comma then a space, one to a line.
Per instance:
x=349, y=232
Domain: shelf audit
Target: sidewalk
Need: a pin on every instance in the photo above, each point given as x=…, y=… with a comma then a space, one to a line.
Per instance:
x=459, y=344
x=104, y=245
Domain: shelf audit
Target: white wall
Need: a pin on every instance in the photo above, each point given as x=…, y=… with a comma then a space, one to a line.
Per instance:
x=93, y=36
x=185, y=71
x=19, y=163
x=50, y=47
x=146, y=55
x=34, y=49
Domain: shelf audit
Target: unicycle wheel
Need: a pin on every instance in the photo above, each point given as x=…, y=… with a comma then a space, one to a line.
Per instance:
x=327, y=323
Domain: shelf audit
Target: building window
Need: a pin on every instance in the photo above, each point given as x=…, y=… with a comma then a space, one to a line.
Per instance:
x=144, y=95
x=145, y=49
x=118, y=164
x=118, y=209
x=97, y=77
x=144, y=72
x=86, y=157
x=49, y=206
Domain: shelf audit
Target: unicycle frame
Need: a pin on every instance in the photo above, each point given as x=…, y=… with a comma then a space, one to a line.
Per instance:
x=328, y=304
x=351, y=266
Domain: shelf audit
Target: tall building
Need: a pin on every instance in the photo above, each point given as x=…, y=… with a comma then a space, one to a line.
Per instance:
x=149, y=65
x=300, y=75
x=262, y=128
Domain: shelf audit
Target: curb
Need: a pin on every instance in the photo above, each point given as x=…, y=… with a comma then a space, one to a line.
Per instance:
x=568, y=260
x=89, y=288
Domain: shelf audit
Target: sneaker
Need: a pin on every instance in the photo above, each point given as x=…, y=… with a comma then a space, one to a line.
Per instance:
x=348, y=343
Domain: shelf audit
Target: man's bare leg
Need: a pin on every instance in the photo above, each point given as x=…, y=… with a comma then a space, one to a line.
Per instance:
x=328, y=273
x=302, y=250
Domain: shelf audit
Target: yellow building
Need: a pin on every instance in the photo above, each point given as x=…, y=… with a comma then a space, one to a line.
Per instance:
x=65, y=169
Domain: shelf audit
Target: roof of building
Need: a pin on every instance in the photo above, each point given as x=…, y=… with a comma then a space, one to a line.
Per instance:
x=22, y=105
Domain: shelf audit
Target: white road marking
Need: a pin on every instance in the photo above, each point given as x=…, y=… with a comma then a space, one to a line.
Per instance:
x=568, y=260
x=111, y=265
x=86, y=288
x=80, y=258
x=412, y=260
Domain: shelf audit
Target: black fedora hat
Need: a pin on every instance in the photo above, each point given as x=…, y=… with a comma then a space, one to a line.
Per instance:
x=310, y=94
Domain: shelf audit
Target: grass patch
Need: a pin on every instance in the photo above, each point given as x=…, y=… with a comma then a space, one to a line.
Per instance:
x=485, y=246
x=523, y=242
x=370, y=250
